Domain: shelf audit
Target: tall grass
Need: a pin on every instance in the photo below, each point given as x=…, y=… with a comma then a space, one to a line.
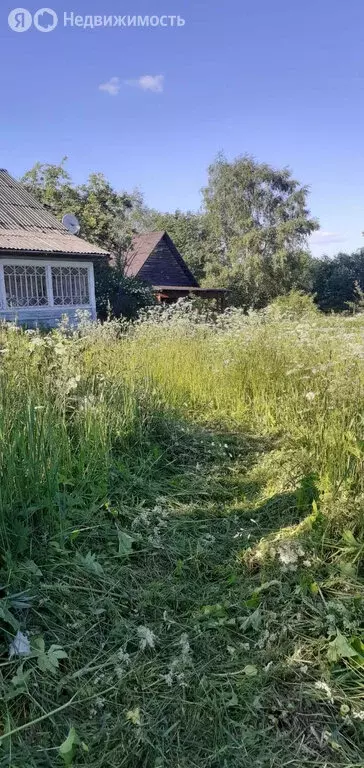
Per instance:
x=60, y=421
x=70, y=403
x=300, y=378
x=181, y=520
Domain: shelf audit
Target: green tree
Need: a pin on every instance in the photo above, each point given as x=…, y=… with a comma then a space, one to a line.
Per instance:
x=106, y=219
x=189, y=231
x=258, y=223
x=102, y=211
x=52, y=186
x=338, y=282
x=251, y=236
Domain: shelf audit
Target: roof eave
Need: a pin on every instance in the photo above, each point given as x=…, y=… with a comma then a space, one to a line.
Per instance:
x=49, y=254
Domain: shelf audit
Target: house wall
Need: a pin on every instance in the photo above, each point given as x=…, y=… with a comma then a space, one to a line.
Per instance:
x=44, y=317
x=50, y=315
x=162, y=268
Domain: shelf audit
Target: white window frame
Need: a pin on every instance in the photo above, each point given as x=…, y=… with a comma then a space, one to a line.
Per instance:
x=48, y=264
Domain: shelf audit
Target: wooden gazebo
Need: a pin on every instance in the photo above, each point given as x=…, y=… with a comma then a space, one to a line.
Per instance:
x=154, y=258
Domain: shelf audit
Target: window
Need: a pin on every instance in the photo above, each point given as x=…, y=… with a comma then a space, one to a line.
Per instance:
x=70, y=286
x=25, y=286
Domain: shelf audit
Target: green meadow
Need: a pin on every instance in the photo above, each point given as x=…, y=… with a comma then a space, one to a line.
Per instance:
x=182, y=542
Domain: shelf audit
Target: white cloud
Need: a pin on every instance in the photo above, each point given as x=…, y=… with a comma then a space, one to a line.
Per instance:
x=326, y=238
x=112, y=87
x=154, y=83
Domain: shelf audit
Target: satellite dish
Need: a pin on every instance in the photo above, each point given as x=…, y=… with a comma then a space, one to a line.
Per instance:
x=70, y=221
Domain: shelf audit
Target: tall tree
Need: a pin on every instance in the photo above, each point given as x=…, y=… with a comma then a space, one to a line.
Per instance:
x=190, y=233
x=258, y=223
x=251, y=236
x=339, y=281
x=106, y=218
x=102, y=211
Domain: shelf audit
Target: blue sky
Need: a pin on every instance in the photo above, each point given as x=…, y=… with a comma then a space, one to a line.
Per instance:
x=281, y=80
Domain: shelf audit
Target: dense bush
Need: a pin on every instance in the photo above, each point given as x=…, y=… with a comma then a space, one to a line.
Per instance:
x=118, y=295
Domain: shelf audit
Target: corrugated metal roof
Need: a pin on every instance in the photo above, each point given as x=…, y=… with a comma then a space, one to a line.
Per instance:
x=46, y=242
x=20, y=210
x=25, y=225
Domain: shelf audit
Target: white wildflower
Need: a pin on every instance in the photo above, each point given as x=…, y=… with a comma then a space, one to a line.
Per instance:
x=142, y=520
x=289, y=552
x=124, y=657
x=154, y=539
x=179, y=663
x=72, y=383
x=185, y=647
x=120, y=672
x=168, y=678
x=59, y=349
x=358, y=715
x=322, y=686
x=37, y=342
x=147, y=638
x=310, y=396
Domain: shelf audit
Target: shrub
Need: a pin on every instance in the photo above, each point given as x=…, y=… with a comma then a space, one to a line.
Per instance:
x=118, y=295
x=294, y=305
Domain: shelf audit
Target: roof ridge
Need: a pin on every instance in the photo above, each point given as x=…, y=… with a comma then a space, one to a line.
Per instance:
x=143, y=245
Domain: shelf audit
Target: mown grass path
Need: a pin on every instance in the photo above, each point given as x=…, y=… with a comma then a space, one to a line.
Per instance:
x=188, y=645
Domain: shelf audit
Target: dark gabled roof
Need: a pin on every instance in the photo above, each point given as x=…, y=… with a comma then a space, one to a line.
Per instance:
x=142, y=247
x=25, y=225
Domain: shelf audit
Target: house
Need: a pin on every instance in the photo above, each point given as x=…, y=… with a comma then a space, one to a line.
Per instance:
x=154, y=258
x=45, y=272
